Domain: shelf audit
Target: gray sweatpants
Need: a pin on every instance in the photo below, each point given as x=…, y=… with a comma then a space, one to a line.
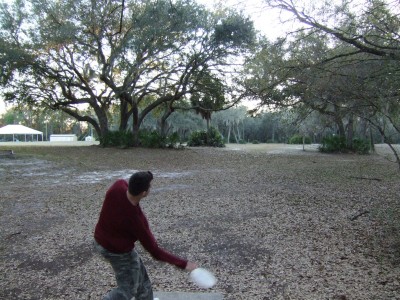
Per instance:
x=130, y=273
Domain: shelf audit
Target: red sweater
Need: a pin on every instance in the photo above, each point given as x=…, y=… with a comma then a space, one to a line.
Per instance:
x=121, y=224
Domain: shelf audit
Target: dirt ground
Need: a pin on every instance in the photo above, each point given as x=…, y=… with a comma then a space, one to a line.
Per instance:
x=271, y=221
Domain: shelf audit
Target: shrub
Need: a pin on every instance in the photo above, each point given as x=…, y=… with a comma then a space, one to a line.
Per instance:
x=206, y=138
x=361, y=146
x=298, y=139
x=334, y=143
x=151, y=139
x=338, y=144
x=147, y=139
x=197, y=138
x=255, y=142
x=123, y=139
x=173, y=140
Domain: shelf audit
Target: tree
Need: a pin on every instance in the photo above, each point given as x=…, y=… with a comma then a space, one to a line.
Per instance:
x=208, y=97
x=65, y=54
x=288, y=75
x=334, y=69
x=369, y=26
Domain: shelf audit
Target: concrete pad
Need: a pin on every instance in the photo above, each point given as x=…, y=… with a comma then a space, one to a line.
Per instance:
x=187, y=296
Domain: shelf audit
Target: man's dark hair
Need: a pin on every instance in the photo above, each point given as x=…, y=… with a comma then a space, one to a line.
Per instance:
x=139, y=182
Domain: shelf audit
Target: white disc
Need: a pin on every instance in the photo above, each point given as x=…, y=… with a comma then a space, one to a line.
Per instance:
x=203, y=278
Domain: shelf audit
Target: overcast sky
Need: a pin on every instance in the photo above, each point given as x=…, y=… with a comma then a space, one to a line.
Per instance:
x=265, y=20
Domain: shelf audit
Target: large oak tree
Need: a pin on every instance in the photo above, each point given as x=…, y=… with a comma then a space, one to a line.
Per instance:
x=137, y=55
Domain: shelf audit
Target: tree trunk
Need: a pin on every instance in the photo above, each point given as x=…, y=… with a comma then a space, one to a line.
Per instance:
x=364, y=129
x=238, y=133
x=124, y=115
x=234, y=135
x=135, y=126
x=164, y=128
x=101, y=126
x=273, y=134
x=243, y=131
x=350, y=132
x=371, y=138
x=341, y=128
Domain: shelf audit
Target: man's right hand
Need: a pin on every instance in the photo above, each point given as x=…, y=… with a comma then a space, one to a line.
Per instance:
x=190, y=266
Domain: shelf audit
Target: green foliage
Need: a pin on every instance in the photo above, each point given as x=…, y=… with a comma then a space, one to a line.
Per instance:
x=334, y=143
x=255, y=142
x=198, y=138
x=12, y=117
x=235, y=31
x=173, y=140
x=153, y=139
x=148, y=139
x=122, y=139
x=337, y=143
x=298, y=139
x=212, y=138
x=361, y=146
x=210, y=95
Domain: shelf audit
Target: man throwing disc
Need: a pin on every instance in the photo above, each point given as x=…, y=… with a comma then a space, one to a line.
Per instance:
x=122, y=223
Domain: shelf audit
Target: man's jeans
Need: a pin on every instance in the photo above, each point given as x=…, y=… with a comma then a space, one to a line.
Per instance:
x=130, y=273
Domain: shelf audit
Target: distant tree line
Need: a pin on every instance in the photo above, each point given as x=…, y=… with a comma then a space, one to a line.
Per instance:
x=236, y=125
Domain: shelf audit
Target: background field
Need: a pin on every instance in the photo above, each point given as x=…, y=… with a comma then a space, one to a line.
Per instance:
x=272, y=221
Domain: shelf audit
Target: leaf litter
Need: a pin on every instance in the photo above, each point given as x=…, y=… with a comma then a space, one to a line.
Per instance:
x=270, y=225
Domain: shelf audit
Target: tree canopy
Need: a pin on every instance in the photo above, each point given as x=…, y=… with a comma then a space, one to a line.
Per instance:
x=136, y=55
x=343, y=63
